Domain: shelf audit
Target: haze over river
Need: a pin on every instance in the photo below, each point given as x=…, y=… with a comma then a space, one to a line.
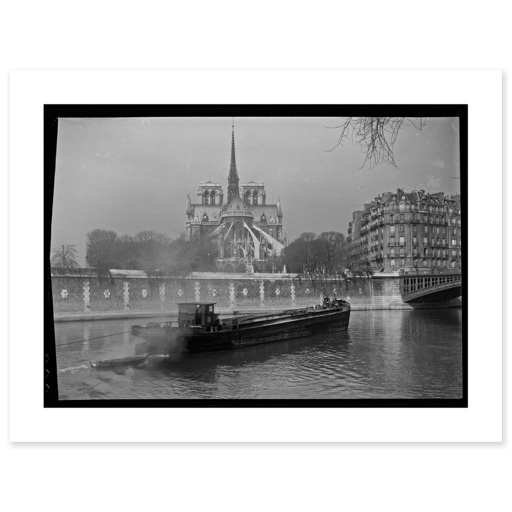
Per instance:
x=384, y=354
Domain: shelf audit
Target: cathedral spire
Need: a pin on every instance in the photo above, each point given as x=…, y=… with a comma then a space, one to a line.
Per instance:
x=233, y=188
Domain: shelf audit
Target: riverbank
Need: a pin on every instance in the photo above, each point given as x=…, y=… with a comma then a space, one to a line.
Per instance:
x=173, y=312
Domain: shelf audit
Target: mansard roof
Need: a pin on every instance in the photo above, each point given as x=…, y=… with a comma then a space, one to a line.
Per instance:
x=416, y=196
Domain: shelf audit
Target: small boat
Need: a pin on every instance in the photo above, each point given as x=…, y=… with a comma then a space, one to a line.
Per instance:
x=199, y=328
x=135, y=360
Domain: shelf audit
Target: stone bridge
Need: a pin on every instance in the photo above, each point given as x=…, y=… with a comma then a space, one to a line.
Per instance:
x=418, y=288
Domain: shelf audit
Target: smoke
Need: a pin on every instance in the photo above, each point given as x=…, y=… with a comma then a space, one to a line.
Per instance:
x=118, y=352
x=169, y=342
x=173, y=344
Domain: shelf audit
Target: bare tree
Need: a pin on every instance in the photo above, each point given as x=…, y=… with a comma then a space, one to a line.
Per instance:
x=337, y=251
x=375, y=136
x=64, y=257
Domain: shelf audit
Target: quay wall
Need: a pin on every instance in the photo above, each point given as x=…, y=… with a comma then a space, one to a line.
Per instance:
x=89, y=290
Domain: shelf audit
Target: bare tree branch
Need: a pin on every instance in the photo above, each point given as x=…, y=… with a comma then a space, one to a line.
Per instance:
x=375, y=136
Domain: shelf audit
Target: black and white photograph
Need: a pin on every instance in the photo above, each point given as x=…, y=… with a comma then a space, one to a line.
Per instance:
x=279, y=256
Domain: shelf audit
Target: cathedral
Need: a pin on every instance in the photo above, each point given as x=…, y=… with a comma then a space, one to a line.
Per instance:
x=247, y=229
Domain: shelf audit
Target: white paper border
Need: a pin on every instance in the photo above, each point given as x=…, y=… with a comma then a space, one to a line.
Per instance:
x=30, y=90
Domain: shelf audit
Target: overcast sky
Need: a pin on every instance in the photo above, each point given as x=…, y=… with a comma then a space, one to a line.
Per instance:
x=134, y=174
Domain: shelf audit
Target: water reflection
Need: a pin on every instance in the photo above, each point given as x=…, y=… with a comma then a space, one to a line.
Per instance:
x=384, y=354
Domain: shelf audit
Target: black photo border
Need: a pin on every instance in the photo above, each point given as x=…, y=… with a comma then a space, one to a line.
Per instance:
x=52, y=113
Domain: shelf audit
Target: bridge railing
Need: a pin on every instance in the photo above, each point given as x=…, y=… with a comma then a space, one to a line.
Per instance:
x=428, y=272
x=415, y=283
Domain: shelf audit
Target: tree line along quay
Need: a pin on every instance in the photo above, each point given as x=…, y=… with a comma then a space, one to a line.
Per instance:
x=310, y=253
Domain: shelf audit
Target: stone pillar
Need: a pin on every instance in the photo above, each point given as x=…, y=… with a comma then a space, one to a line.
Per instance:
x=232, y=301
x=161, y=288
x=197, y=291
x=262, y=294
x=292, y=292
x=87, y=296
x=126, y=294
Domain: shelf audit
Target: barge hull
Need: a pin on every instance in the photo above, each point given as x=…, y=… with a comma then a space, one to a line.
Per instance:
x=258, y=331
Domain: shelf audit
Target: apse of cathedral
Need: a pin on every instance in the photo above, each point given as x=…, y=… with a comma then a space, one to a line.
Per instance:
x=246, y=228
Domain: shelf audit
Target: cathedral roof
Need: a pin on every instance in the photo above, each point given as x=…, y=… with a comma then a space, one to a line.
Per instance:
x=213, y=212
x=270, y=211
x=236, y=208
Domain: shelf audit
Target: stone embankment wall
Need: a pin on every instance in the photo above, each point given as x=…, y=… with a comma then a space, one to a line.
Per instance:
x=115, y=290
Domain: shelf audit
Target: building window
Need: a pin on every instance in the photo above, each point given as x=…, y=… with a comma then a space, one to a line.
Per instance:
x=415, y=240
x=401, y=228
x=402, y=217
x=425, y=240
x=438, y=230
x=438, y=241
x=454, y=242
x=432, y=241
x=391, y=229
x=392, y=262
x=402, y=240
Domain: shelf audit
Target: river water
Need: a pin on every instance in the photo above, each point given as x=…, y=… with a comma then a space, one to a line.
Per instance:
x=383, y=354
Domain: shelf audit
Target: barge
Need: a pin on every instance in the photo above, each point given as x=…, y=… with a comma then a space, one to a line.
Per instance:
x=200, y=329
